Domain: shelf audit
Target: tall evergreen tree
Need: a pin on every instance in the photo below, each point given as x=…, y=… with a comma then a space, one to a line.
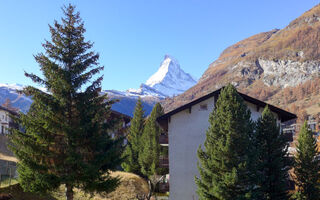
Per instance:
x=133, y=148
x=307, y=166
x=151, y=150
x=272, y=169
x=66, y=137
x=225, y=160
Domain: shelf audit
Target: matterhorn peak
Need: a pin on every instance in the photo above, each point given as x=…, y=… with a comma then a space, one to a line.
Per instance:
x=169, y=64
x=170, y=79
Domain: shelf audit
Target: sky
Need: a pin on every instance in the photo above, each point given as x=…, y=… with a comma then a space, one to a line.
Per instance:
x=132, y=37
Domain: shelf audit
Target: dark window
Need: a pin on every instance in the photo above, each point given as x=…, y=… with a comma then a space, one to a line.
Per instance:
x=203, y=107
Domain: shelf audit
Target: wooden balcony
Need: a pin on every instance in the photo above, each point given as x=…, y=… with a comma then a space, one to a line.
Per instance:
x=164, y=162
x=163, y=140
x=288, y=136
x=163, y=187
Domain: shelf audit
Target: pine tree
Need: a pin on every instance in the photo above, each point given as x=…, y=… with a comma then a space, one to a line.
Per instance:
x=307, y=166
x=133, y=148
x=271, y=148
x=150, y=150
x=66, y=137
x=225, y=160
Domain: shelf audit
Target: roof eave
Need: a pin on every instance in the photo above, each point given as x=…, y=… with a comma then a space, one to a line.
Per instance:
x=284, y=115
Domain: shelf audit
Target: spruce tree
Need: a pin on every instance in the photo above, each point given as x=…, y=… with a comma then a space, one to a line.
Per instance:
x=66, y=138
x=225, y=160
x=271, y=149
x=133, y=148
x=307, y=166
x=151, y=150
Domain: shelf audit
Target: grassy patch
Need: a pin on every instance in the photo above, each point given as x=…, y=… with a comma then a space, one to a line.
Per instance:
x=130, y=186
x=5, y=182
x=18, y=194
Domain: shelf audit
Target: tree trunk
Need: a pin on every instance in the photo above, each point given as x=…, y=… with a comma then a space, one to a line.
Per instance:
x=69, y=192
x=150, y=190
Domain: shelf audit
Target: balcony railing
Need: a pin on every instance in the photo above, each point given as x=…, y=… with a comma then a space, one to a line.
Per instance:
x=164, y=162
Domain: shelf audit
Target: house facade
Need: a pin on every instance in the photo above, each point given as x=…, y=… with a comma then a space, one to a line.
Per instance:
x=186, y=128
x=5, y=120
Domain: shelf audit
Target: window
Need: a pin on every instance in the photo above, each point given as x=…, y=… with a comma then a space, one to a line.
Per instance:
x=203, y=106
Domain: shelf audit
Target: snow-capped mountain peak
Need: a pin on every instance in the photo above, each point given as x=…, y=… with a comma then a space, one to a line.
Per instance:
x=170, y=79
x=168, y=64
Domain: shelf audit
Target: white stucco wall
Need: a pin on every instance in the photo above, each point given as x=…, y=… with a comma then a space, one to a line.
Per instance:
x=186, y=132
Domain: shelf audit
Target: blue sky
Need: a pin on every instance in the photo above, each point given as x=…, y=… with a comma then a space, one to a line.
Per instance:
x=132, y=37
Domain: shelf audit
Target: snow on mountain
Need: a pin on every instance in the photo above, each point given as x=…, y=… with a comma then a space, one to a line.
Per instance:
x=145, y=90
x=127, y=101
x=10, y=91
x=13, y=86
x=170, y=79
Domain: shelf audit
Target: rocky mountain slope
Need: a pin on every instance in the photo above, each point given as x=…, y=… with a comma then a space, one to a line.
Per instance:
x=169, y=80
x=274, y=66
x=9, y=91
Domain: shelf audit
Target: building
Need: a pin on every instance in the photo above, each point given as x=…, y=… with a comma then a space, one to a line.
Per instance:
x=7, y=166
x=186, y=129
x=164, y=162
x=293, y=127
x=121, y=129
x=6, y=121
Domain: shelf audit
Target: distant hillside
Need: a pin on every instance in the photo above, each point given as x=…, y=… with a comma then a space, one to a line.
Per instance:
x=281, y=67
x=9, y=91
x=125, y=105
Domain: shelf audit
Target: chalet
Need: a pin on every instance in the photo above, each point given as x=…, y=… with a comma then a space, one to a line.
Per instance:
x=5, y=119
x=186, y=128
x=121, y=130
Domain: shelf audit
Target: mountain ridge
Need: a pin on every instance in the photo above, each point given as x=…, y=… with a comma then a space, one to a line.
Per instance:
x=149, y=94
x=266, y=65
